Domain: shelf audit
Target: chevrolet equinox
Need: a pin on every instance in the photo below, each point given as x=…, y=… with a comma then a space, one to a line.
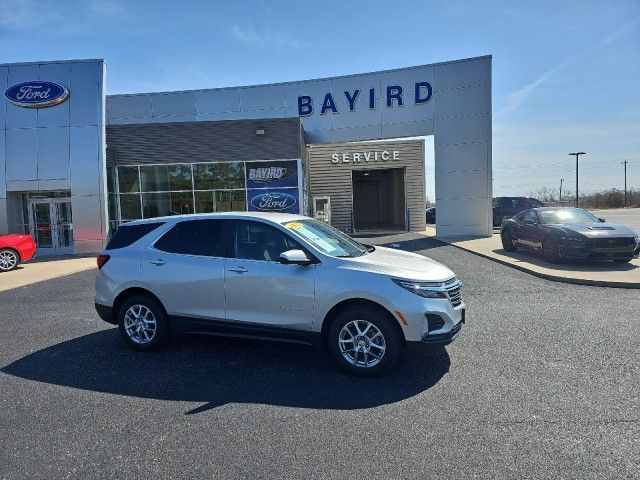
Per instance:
x=274, y=276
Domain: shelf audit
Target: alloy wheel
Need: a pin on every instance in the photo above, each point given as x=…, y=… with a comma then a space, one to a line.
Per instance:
x=8, y=260
x=140, y=324
x=362, y=344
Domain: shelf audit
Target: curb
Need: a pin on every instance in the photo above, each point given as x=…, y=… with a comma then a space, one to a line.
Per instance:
x=546, y=276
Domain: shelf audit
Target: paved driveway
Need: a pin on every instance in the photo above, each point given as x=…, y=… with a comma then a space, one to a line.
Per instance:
x=542, y=383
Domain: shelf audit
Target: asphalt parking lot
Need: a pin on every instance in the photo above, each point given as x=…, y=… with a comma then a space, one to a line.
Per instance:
x=543, y=382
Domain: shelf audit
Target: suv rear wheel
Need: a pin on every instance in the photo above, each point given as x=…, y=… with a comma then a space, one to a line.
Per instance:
x=508, y=244
x=362, y=340
x=143, y=323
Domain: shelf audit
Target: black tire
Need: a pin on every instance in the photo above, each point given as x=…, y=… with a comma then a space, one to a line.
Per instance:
x=390, y=337
x=507, y=241
x=550, y=250
x=162, y=330
x=9, y=259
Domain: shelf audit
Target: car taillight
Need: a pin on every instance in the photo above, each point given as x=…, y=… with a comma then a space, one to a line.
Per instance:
x=102, y=259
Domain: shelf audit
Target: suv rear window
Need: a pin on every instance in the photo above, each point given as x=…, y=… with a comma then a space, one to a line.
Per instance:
x=128, y=234
x=195, y=237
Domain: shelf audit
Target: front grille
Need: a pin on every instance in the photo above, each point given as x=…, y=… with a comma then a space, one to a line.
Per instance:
x=613, y=242
x=454, y=292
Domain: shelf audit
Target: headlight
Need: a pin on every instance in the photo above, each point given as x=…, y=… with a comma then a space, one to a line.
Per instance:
x=424, y=289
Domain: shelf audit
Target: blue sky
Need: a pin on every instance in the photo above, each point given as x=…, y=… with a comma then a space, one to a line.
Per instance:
x=566, y=74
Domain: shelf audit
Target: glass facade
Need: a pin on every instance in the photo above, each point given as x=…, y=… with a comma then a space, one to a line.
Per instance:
x=148, y=191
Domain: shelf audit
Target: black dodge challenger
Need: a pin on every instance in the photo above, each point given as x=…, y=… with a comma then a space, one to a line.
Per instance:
x=569, y=233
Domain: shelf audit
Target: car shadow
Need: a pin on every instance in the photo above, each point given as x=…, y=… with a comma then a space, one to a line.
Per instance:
x=410, y=242
x=583, y=265
x=215, y=371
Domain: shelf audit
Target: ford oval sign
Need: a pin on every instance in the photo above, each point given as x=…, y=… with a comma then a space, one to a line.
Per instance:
x=36, y=94
x=273, y=201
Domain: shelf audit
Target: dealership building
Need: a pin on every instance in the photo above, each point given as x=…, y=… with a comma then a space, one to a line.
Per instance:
x=75, y=162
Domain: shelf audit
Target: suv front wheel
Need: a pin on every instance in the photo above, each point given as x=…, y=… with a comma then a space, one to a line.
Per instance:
x=143, y=323
x=362, y=340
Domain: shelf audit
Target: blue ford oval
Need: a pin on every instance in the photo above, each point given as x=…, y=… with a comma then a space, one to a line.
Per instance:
x=36, y=94
x=273, y=201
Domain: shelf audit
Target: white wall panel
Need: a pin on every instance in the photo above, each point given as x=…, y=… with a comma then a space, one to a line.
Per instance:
x=57, y=116
x=3, y=178
x=457, y=130
x=84, y=162
x=21, y=148
x=181, y=103
x=21, y=117
x=223, y=100
x=466, y=184
x=262, y=97
x=53, y=153
x=464, y=73
x=465, y=156
x=129, y=106
x=463, y=101
x=4, y=73
x=85, y=100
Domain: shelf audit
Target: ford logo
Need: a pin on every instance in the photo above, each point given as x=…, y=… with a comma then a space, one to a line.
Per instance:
x=36, y=94
x=273, y=201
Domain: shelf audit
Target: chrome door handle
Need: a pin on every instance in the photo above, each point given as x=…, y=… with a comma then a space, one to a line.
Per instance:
x=158, y=263
x=238, y=270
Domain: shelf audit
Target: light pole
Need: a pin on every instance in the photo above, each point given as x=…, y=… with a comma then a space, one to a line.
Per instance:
x=577, y=154
x=625, y=182
x=560, y=199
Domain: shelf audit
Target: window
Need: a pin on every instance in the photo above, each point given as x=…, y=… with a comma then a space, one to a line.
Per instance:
x=128, y=234
x=258, y=241
x=128, y=180
x=218, y=176
x=529, y=216
x=194, y=237
x=130, y=206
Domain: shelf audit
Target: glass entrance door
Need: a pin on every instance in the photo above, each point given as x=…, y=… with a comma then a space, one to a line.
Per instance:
x=51, y=225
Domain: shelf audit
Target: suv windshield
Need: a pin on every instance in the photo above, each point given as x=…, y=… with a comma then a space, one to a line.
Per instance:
x=567, y=216
x=326, y=238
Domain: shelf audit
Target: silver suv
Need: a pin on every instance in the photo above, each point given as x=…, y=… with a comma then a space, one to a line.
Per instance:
x=274, y=276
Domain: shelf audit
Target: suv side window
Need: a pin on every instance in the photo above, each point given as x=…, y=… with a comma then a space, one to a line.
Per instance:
x=259, y=241
x=195, y=237
x=128, y=234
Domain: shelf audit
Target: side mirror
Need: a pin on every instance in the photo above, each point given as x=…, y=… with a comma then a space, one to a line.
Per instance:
x=295, y=257
x=602, y=220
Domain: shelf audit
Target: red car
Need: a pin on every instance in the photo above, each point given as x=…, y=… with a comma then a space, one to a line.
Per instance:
x=15, y=249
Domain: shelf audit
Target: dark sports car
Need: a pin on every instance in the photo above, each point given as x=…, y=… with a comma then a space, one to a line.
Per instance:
x=569, y=233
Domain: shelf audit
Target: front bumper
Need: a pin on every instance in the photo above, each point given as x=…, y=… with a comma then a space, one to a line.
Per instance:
x=579, y=252
x=447, y=337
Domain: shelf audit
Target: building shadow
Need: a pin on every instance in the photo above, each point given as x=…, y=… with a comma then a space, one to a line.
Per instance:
x=573, y=265
x=215, y=371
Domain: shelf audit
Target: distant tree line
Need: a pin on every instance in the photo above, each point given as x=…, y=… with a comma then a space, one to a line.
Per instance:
x=613, y=198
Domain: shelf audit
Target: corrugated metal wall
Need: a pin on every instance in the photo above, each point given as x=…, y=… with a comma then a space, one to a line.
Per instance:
x=334, y=179
x=136, y=144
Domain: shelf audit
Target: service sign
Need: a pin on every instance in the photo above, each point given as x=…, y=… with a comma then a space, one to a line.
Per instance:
x=36, y=94
x=283, y=200
x=272, y=174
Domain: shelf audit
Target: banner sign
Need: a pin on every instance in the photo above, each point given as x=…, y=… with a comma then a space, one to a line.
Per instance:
x=272, y=174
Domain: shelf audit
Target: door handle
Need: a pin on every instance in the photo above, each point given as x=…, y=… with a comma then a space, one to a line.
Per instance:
x=238, y=270
x=158, y=263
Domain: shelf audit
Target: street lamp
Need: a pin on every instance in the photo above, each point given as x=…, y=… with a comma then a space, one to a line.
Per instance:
x=577, y=154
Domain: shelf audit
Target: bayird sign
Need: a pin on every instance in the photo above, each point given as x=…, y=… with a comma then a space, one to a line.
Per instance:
x=36, y=94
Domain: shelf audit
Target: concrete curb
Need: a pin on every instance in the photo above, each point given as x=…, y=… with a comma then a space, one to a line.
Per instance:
x=546, y=276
